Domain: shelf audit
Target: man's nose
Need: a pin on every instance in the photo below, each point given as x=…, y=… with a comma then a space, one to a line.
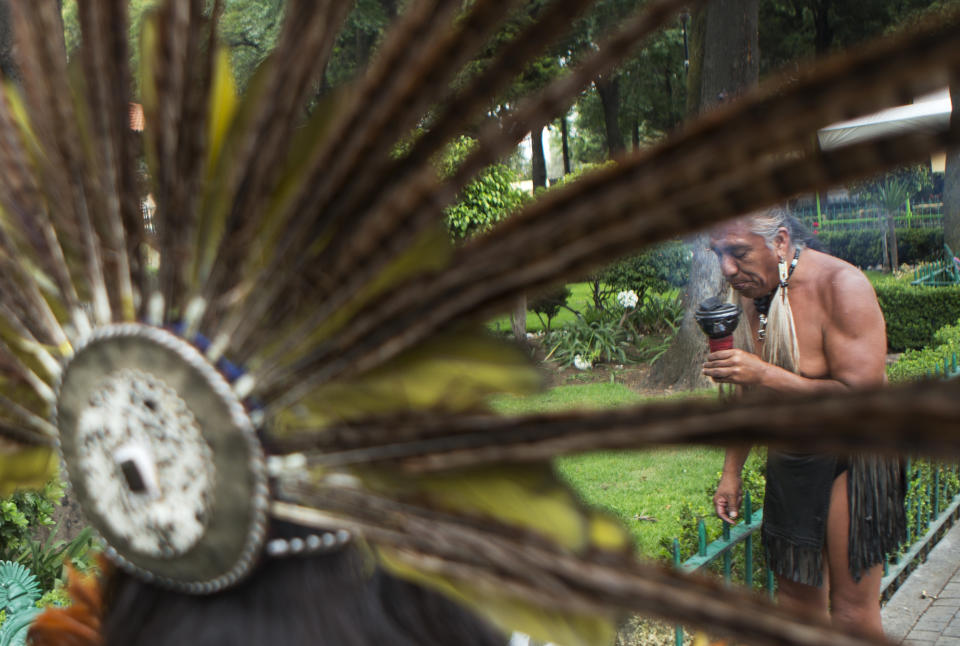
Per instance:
x=728, y=266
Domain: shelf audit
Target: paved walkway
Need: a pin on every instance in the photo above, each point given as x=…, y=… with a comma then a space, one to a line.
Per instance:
x=925, y=611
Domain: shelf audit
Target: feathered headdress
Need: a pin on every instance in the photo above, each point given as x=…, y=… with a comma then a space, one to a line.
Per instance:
x=290, y=336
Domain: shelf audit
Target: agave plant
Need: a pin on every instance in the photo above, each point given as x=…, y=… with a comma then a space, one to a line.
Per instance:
x=299, y=273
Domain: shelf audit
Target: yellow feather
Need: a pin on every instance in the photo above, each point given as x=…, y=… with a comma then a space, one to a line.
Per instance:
x=607, y=534
x=223, y=105
x=430, y=252
x=510, y=613
x=26, y=468
x=453, y=373
x=527, y=496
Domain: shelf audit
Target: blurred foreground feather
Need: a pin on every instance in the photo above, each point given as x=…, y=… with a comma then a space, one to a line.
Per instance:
x=315, y=258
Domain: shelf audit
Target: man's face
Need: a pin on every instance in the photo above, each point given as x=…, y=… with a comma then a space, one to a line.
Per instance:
x=747, y=263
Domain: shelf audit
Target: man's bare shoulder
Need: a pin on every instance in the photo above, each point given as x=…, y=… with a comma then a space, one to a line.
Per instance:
x=831, y=274
x=844, y=289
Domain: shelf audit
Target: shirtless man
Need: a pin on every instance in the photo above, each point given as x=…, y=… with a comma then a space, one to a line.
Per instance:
x=841, y=342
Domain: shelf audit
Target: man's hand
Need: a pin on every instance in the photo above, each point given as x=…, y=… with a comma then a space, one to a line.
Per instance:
x=728, y=497
x=735, y=367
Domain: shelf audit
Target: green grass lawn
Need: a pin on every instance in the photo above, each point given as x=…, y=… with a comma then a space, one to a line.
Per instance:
x=630, y=485
x=580, y=297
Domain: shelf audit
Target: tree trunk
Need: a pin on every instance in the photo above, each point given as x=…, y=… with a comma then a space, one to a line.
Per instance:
x=565, y=141
x=823, y=30
x=951, y=185
x=723, y=63
x=518, y=319
x=538, y=162
x=8, y=63
x=892, y=241
x=609, y=91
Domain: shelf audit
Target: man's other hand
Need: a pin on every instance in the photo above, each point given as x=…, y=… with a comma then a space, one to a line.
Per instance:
x=728, y=497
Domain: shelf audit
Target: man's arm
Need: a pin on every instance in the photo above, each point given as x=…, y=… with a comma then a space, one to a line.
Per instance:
x=729, y=493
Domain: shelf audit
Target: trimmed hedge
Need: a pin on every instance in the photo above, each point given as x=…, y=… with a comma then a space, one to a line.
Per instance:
x=914, y=313
x=916, y=364
x=865, y=248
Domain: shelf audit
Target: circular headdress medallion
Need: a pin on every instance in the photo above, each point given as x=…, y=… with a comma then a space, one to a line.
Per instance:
x=163, y=458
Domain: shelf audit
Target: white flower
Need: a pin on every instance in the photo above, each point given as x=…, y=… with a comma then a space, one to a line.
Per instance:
x=627, y=299
x=581, y=364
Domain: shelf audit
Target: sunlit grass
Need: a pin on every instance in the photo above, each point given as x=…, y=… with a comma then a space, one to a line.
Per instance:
x=644, y=489
x=580, y=297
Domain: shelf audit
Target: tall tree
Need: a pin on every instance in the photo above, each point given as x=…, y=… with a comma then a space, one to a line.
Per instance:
x=951, y=184
x=723, y=63
x=8, y=65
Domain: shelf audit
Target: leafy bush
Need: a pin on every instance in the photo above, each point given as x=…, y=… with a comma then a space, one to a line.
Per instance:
x=921, y=484
x=754, y=481
x=659, y=313
x=21, y=516
x=549, y=303
x=596, y=336
x=916, y=364
x=865, y=248
x=486, y=200
x=657, y=269
x=914, y=313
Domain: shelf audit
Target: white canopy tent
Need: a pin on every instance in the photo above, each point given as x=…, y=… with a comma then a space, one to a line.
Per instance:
x=930, y=112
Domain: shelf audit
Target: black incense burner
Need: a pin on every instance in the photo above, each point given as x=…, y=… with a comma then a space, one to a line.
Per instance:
x=718, y=320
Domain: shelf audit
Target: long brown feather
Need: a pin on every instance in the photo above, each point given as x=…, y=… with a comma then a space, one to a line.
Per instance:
x=397, y=218
x=918, y=418
x=481, y=552
x=625, y=207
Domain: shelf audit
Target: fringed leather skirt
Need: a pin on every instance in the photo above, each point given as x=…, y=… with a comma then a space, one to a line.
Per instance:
x=797, y=502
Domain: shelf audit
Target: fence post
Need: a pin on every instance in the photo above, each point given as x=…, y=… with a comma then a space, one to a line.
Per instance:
x=748, y=544
x=701, y=538
x=909, y=503
x=678, y=629
x=727, y=561
x=936, y=491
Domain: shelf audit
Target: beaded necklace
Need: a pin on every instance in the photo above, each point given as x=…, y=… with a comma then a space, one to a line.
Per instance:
x=762, y=304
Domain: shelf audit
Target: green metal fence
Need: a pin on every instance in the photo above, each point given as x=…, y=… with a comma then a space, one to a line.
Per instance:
x=932, y=513
x=863, y=216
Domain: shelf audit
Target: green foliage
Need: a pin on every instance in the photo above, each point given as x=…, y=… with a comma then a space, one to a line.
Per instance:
x=659, y=313
x=918, y=363
x=918, y=503
x=596, y=336
x=21, y=516
x=356, y=43
x=547, y=305
x=46, y=559
x=865, y=248
x=58, y=597
x=690, y=514
x=656, y=269
x=486, y=200
x=249, y=28
x=914, y=313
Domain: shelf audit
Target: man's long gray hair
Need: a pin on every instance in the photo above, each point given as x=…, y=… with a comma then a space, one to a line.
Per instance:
x=780, y=345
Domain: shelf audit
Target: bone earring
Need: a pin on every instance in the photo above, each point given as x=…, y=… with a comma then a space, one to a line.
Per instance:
x=784, y=272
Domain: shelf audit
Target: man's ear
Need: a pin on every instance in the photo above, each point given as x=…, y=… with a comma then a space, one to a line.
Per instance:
x=781, y=241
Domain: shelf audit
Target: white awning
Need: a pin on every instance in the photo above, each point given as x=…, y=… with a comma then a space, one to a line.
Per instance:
x=930, y=112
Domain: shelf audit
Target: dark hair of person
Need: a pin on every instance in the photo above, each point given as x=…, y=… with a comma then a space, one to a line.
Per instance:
x=336, y=599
